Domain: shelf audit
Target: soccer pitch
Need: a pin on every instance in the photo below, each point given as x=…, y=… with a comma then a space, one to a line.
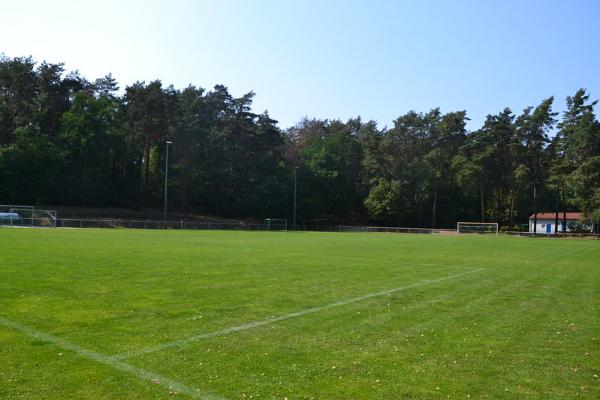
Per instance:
x=131, y=314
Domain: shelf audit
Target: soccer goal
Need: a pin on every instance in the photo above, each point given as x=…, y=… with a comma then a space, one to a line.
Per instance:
x=276, y=224
x=26, y=216
x=477, y=227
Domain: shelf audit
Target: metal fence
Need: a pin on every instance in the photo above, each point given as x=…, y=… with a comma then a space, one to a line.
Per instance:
x=194, y=225
x=553, y=235
x=153, y=224
x=272, y=226
x=388, y=229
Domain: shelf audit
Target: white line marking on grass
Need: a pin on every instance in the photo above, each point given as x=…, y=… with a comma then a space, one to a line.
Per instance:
x=448, y=266
x=103, y=359
x=285, y=317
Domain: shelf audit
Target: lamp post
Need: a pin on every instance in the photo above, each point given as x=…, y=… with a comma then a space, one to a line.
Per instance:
x=166, y=177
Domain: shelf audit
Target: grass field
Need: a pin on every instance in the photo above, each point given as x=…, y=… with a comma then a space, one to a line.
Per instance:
x=128, y=314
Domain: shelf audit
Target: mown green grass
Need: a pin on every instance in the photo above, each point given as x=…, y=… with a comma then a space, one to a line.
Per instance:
x=526, y=326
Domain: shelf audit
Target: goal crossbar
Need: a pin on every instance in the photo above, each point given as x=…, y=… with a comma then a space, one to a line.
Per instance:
x=276, y=224
x=22, y=215
x=477, y=227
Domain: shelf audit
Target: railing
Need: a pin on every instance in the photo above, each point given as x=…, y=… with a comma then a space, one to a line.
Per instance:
x=553, y=235
x=153, y=224
x=193, y=225
x=388, y=229
x=28, y=222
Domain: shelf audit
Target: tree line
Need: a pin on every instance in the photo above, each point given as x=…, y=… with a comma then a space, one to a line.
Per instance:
x=65, y=140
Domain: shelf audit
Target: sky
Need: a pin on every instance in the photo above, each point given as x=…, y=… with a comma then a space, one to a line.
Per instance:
x=326, y=59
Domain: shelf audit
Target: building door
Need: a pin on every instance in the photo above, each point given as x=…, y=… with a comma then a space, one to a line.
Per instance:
x=548, y=228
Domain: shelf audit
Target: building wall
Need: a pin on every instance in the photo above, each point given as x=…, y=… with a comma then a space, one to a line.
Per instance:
x=542, y=225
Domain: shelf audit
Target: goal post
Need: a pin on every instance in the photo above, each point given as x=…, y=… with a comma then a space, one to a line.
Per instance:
x=26, y=216
x=477, y=228
x=276, y=224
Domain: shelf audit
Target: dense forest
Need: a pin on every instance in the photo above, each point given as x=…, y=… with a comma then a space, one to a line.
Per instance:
x=65, y=140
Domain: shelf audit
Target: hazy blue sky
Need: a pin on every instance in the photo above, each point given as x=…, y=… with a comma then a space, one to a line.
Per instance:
x=326, y=59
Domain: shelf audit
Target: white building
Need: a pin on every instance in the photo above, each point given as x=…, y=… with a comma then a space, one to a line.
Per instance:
x=546, y=222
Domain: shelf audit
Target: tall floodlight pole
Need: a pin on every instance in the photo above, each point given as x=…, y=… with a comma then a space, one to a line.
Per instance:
x=295, y=192
x=166, y=177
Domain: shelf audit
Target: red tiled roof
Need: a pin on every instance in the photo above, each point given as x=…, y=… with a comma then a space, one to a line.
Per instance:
x=552, y=215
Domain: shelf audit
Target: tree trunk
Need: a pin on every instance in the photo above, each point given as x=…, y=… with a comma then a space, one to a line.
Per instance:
x=512, y=208
x=481, y=199
x=183, y=192
x=497, y=202
x=419, y=212
x=146, y=163
x=535, y=210
x=564, y=204
x=435, y=192
x=146, y=174
x=556, y=219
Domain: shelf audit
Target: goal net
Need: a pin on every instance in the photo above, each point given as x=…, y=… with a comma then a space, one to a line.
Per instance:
x=477, y=227
x=26, y=216
x=276, y=224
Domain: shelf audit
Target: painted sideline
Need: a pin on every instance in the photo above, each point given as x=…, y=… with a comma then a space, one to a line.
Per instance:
x=103, y=359
x=285, y=317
